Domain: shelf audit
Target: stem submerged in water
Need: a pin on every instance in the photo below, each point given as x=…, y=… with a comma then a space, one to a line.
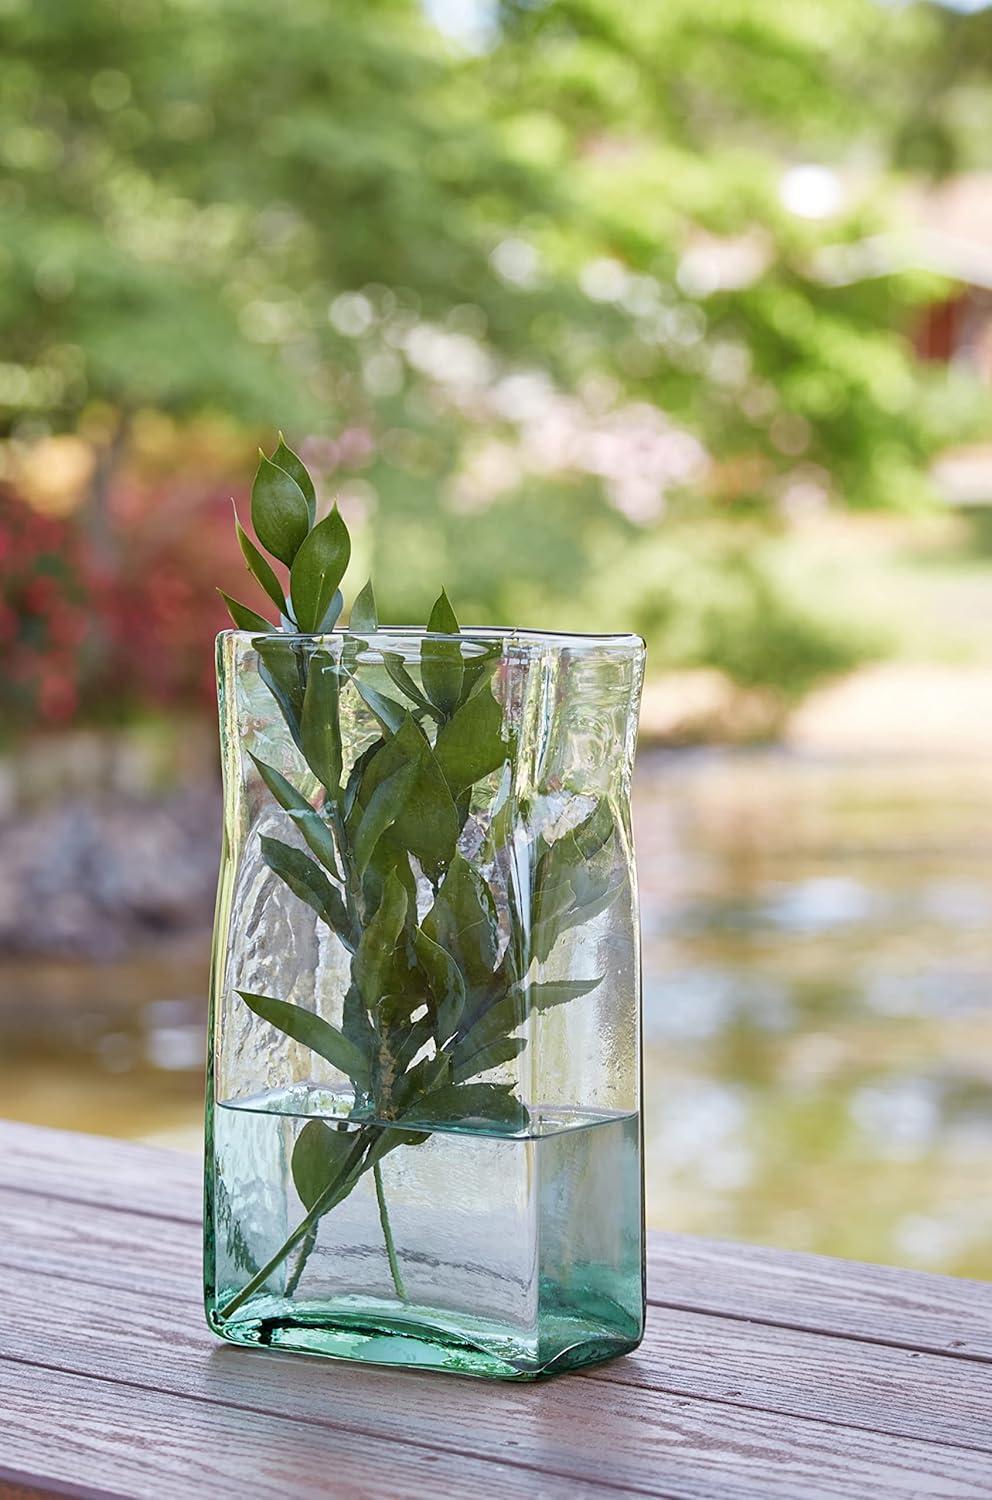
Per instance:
x=338, y=1189
x=387, y=1234
x=293, y=1280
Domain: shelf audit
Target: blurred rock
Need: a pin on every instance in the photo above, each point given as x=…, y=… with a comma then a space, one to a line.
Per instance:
x=96, y=876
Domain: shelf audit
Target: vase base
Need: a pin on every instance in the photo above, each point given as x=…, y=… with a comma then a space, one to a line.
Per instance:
x=374, y=1333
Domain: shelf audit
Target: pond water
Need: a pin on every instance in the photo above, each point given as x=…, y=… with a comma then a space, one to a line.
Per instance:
x=818, y=1009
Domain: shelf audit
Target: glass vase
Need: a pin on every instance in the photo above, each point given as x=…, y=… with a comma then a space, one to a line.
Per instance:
x=423, y=1126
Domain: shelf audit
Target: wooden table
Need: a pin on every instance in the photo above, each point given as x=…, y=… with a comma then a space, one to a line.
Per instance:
x=763, y=1374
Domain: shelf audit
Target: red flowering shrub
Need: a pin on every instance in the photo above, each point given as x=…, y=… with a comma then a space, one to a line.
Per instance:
x=82, y=640
x=46, y=623
x=159, y=610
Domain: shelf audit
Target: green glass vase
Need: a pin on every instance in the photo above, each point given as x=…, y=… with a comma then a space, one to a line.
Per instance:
x=423, y=1126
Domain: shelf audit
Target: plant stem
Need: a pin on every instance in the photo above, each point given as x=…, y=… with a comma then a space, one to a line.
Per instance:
x=352, y=905
x=293, y=1279
x=387, y=1234
x=338, y=1189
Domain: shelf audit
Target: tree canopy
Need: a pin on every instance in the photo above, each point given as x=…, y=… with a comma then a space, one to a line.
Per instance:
x=546, y=290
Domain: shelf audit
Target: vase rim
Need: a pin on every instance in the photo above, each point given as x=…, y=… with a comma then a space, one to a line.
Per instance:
x=620, y=641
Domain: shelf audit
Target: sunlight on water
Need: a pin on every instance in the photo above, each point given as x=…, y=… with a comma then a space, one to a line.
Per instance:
x=818, y=1009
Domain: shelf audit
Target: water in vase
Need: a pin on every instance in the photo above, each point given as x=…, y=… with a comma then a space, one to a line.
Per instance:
x=433, y=1260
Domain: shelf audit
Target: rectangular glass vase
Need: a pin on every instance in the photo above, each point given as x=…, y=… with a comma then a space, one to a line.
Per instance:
x=423, y=1121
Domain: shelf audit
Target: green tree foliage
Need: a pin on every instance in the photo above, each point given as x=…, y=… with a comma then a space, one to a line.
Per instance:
x=547, y=290
x=940, y=106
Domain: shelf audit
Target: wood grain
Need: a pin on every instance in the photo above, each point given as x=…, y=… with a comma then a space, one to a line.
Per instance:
x=911, y=1309
x=763, y=1376
x=121, y=1440
x=908, y=1309
x=93, y=1169
x=684, y=1354
x=11, y=1491
x=131, y=1437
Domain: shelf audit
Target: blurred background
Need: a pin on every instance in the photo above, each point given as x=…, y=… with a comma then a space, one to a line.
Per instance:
x=606, y=314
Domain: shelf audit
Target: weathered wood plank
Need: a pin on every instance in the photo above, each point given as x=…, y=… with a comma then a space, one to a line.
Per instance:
x=163, y=1342
x=898, y=1391
x=909, y=1309
x=10, y=1491
x=711, y=1405
x=121, y=1440
x=94, y=1169
x=31, y=1490
x=144, y=1442
x=103, y=1246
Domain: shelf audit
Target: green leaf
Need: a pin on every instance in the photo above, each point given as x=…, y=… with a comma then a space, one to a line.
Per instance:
x=355, y=775
x=499, y=834
x=281, y=668
x=313, y=1031
x=502, y=1050
x=446, y=981
x=320, y=725
x=334, y=609
x=550, y=905
x=355, y=1023
x=443, y=620
x=309, y=822
x=477, y=669
x=308, y=883
x=568, y=886
x=317, y=569
x=258, y=567
x=318, y=837
x=579, y=899
x=388, y=713
x=364, y=615
x=466, y=1103
x=279, y=511
x=287, y=460
x=394, y=1014
x=428, y=1074
x=243, y=617
x=382, y=809
x=470, y=745
x=462, y=921
x=428, y=823
x=537, y=998
x=354, y=646
x=282, y=790
x=320, y=1159
x=375, y=965
x=441, y=661
x=390, y=856
x=388, y=1141
x=472, y=1053
x=494, y=1025
x=394, y=665
x=595, y=831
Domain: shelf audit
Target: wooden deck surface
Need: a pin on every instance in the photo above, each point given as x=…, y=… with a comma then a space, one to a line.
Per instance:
x=763, y=1374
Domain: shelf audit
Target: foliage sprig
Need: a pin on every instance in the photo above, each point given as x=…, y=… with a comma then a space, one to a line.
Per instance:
x=435, y=1002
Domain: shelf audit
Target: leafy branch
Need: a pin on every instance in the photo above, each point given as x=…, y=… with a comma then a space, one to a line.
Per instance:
x=434, y=1002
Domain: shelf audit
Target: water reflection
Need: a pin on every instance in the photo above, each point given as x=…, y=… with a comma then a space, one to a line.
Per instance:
x=78, y=1052
x=817, y=1004
x=818, y=1016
